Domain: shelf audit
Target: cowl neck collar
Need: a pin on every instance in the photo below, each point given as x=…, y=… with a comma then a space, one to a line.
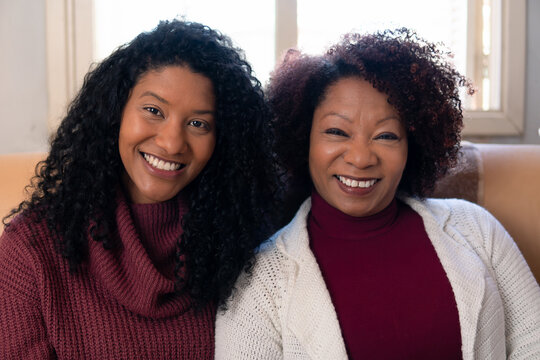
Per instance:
x=129, y=272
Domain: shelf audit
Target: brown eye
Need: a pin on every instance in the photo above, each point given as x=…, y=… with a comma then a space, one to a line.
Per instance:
x=199, y=124
x=387, y=136
x=334, y=131
x=153, y=110
x=196, y=123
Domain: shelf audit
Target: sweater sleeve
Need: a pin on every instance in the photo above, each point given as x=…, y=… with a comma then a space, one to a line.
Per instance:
x=21, y=321
x=250, y=327
x=519, y=291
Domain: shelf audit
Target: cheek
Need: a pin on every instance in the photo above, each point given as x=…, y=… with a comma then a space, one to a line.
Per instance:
x=130, y=129
x=398, y=163
x=319, y=163
x=123, y=144
x=404, y=156
x=314, y=161
x=205, y=149
x=318, y=152
x=132, y=133
x=323, y=156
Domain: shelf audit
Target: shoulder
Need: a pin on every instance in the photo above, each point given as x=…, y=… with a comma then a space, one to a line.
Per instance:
x=19, y=230
x=439, y=207
x=464, y=223
x=26, y=237
x=257, y=307
x=23, y=255
x=275, y=263
x=287, y=246
x=458, y=213
x=270, y=271
x=254, y=309
x=25, y=226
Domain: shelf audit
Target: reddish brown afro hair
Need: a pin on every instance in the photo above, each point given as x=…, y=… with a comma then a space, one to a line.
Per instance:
x=419, y=82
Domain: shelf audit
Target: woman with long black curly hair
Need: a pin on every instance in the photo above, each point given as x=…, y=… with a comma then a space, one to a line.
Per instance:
x=369, y=268
x=158, y=187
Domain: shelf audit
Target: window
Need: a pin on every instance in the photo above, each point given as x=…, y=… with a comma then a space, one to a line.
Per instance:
x=252, y=29
x=503, y=76
x=487, y=37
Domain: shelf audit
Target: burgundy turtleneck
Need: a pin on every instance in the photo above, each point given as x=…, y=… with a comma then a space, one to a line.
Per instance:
x=392, y=297
x=119, y=305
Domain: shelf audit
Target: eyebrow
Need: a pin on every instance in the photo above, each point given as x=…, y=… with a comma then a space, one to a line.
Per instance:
x=204, y=112
x=344, y=117
x=341, y=116
x=390, y=117
x=154, y=95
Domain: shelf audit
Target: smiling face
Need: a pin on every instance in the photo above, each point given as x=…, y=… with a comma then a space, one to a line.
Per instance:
x=358, y=148
x=167, y=133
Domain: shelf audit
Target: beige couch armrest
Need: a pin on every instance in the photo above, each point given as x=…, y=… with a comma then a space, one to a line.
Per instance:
x=17, y=170
x=512, y=194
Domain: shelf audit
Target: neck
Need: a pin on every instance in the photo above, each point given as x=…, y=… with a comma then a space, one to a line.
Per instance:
x=335, y=223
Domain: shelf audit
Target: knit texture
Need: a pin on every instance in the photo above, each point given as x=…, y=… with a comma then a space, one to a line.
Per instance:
x=284, y=310
x=119, y=305
x=391, y=294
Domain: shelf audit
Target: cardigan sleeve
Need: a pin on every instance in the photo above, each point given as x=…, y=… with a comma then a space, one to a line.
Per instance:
x=250, y=326
x=519, y=291
x=24, y=335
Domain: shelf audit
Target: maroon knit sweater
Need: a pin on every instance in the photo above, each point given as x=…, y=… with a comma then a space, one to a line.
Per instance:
x=120, y=305
x=391, y=294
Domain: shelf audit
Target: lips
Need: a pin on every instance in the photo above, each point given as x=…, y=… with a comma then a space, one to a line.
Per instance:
x=161, y=164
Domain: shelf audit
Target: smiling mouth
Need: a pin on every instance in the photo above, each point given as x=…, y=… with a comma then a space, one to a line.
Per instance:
x=162, y=164
x=353, y=183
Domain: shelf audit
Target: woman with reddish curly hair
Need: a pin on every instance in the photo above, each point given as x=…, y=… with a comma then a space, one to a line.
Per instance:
x=369, y=267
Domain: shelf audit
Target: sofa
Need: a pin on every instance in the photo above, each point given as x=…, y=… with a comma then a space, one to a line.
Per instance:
x=17, y=170
x=505, y=179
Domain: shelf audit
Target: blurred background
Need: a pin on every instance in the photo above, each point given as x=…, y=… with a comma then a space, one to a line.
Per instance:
x=49, y=45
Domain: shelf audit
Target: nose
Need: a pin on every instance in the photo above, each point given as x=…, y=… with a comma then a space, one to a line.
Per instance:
x=171, y=137
x=360, y=154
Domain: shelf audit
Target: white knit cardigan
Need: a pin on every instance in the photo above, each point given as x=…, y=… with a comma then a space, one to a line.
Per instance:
x=284, y=310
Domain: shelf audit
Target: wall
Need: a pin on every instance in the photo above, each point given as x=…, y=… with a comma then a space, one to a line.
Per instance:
x=23, y=95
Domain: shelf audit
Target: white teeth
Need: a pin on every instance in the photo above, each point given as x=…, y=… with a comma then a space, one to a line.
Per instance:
x=356, y=183
x=160, y=164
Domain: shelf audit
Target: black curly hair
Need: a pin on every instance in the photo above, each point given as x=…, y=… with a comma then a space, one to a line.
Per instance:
x=419, y=82
x=231, y=201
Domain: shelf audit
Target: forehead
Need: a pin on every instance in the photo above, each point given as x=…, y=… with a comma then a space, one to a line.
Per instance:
x=354, y=95
x=354, y=90
x=176, y=83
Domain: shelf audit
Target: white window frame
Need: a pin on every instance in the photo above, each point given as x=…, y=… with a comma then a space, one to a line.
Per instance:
x=510, y=119
x=70, y=44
